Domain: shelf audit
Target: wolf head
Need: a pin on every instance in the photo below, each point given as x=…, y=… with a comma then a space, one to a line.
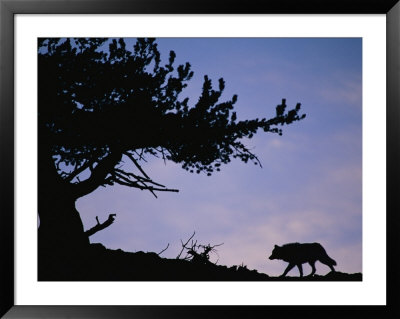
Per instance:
x=275, y=253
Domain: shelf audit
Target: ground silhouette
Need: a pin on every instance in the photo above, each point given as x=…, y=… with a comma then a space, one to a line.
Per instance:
x=97, y=263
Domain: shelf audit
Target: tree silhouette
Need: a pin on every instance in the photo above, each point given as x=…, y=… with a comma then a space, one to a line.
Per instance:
x=101, y=104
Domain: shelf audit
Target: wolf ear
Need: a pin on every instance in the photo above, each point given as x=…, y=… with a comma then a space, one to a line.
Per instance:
x=276, y=246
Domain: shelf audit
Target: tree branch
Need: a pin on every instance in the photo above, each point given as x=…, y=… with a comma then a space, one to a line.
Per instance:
x=184, y=245
x=149, y=188
x=99, y=226
x=138, y=178
x=77, y=171
x=137, y=165
x=98, y=175
x=163, y=250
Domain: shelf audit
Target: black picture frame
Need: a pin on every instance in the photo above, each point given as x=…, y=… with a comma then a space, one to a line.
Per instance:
x=9, y=8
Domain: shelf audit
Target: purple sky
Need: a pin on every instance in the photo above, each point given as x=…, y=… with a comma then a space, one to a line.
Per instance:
x=310, y=186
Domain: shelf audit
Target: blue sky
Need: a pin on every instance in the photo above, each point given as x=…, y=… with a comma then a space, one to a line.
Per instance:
x=309, y=188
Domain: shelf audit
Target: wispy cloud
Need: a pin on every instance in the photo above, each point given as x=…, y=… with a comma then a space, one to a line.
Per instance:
x=345, y=89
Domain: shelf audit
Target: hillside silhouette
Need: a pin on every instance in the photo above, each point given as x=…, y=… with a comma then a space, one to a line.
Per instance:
x=97, y=263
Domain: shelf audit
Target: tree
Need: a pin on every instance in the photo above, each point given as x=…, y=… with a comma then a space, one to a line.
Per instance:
x=100, y=103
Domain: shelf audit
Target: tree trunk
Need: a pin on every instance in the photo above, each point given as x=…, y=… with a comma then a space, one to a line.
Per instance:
x=62, y=242
x=61, y=227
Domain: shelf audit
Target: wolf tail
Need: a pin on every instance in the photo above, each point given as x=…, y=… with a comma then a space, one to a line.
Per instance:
x=328, y=260
x=332, y=261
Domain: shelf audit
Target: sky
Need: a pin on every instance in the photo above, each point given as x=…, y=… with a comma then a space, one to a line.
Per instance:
x=309, y=188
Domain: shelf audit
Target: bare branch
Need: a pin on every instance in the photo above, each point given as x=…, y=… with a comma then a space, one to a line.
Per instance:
x=127, y=180
x=139, y=178
x=136, y=185
x=78, y=170
x=124, y=183
x=161, y=150
x=163, y=250
x=99, y=173
x=194, y=253
x=141, y=157
x=137, y=165
x=211, y=247
x=99, y=226
x=184, y=245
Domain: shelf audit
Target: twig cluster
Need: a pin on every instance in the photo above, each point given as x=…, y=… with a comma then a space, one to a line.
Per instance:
x=197, y=253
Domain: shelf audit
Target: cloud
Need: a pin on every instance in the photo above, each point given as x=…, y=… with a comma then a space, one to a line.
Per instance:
x=343, y=88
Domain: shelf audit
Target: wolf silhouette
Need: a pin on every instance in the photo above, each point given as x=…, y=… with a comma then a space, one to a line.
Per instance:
x=297, y=254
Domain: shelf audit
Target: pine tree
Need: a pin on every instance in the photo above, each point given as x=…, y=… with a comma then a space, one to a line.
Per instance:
x=100, y=103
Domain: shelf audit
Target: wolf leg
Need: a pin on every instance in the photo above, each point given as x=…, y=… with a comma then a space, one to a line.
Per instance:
x=300, y=269
x=288, y=268
x=312, y=264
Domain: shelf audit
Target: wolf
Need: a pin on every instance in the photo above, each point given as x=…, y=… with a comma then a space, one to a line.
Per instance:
x=297, y=254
